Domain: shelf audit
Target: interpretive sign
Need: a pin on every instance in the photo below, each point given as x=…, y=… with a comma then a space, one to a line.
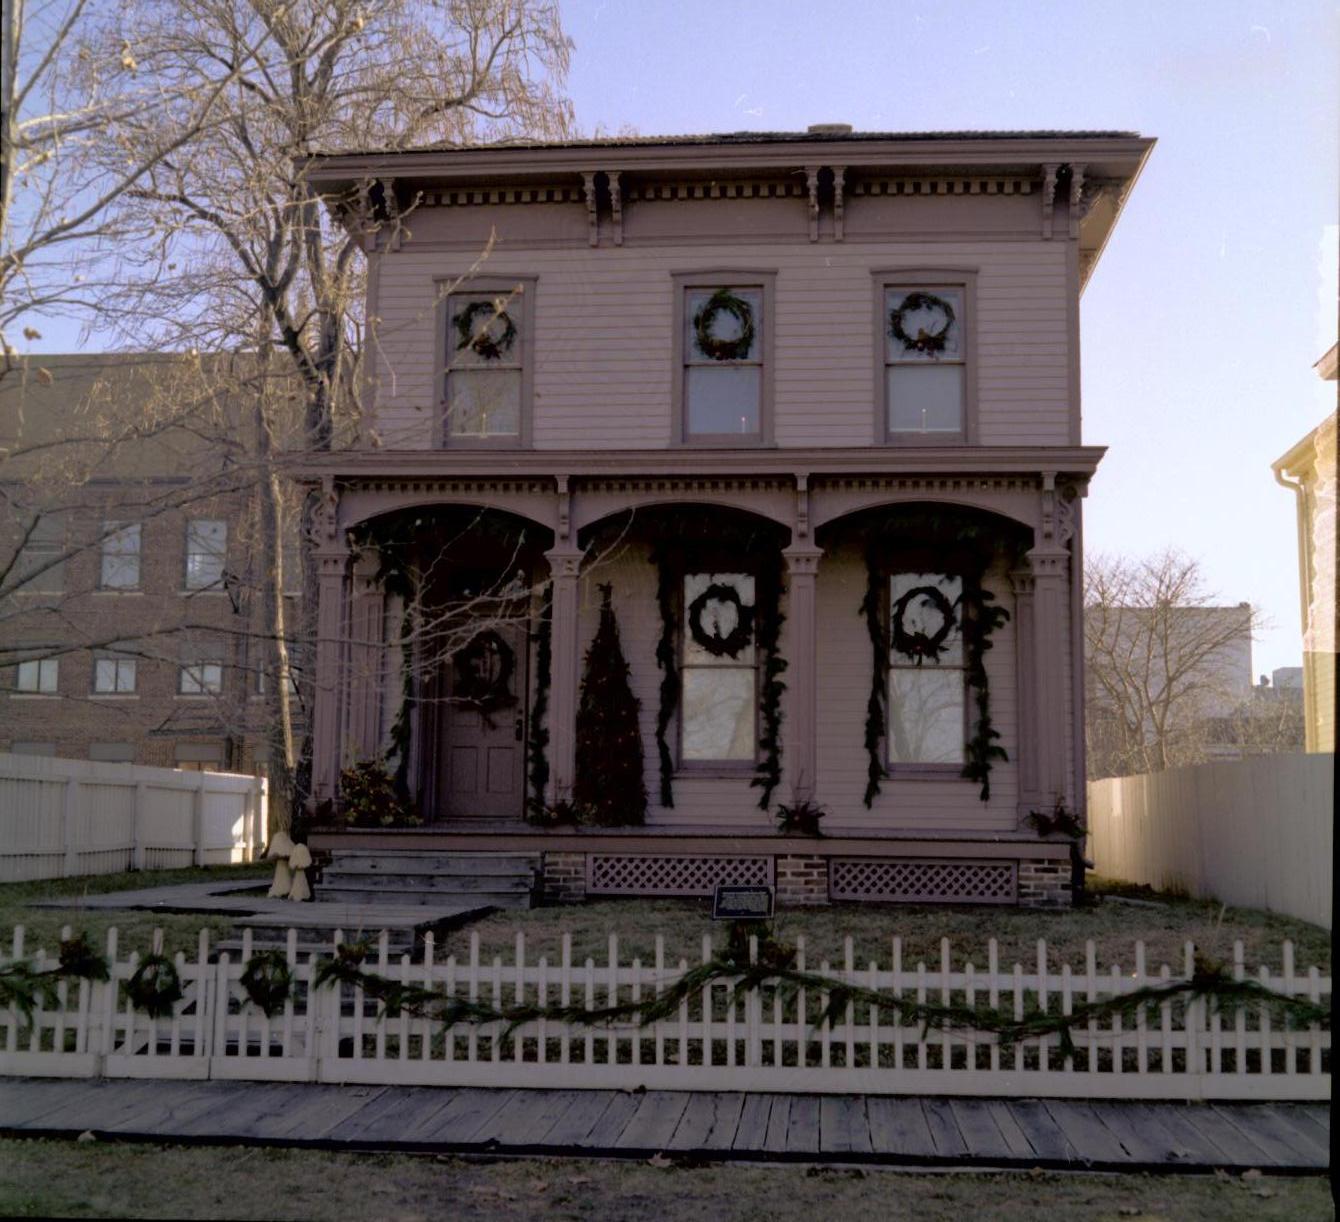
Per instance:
x=741, y=903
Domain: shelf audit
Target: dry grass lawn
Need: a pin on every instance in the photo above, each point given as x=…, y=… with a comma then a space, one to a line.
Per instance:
x=1114, y=924
x=45, y=1179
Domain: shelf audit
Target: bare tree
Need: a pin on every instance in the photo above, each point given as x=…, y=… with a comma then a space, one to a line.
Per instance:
x=70, y=89
x=1162, y=662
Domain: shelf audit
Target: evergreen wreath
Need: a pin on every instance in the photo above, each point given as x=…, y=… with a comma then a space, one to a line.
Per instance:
x=484, y=345
x=712, y=346
x=923, y=341
x=477, y=682
x=155, y=986
x=919, y=645
x=719, y=646
x=268, y=981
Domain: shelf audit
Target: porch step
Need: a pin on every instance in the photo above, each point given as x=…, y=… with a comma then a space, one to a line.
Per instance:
x=367, y=877
x=404, y=924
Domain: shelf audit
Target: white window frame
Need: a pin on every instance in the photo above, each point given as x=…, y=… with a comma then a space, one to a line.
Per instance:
x=725, y=765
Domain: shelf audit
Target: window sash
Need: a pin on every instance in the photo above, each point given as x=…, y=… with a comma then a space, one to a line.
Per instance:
x=927, y=695
x=206, y=552
x=202, y=678
x=728, y=392
x=120, y=567
x=39, y=675
x=114, y=676
x=719, y=695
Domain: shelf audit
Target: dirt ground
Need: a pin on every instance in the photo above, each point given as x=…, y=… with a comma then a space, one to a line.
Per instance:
x=47, y=1178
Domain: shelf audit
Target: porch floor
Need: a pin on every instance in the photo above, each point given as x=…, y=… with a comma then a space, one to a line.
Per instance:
x=719, y=1126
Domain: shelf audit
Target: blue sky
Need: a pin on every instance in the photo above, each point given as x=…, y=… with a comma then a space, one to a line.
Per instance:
x=1217, y=292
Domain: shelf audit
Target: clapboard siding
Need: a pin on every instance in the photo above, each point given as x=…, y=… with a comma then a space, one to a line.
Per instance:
x=603, y=322
x=844, y=663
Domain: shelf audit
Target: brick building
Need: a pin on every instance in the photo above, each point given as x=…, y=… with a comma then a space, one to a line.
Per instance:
x=131, y=569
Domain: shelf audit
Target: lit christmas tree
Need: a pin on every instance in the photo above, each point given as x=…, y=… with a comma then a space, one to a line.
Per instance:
x=610, y=789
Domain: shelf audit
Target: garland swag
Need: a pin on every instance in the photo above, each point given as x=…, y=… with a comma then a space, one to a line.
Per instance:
x=666, y=574
x=538, y=749
x=955, y=545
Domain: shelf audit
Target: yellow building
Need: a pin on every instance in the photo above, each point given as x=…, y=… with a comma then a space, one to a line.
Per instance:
x=1309, y=468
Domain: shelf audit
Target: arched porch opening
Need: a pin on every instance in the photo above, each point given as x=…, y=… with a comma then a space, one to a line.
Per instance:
x=446, y=612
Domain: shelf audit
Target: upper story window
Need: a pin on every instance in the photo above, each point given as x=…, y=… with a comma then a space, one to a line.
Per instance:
x=719, y=669
x=113, y=675
x=201, y=673
x=928, y=389
x=40, y=676
x=722, y=354
x=120, y=556
x=42, y=567
x=927, y=676
x=487, y=379
x=206, y=552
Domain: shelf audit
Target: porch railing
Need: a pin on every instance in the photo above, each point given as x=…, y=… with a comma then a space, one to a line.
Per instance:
x=774, y=1037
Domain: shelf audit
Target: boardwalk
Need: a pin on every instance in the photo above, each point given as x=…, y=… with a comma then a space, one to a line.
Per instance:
x=797, y=1128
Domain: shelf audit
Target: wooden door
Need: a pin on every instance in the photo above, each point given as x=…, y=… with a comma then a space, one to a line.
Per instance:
x=482, y=759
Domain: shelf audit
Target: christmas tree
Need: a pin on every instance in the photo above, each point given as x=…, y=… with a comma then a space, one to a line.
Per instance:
x=609, y=789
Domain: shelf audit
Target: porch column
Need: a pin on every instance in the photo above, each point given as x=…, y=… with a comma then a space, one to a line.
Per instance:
x=367, y=657
x=328, y=688
x=564, y=568
x=1051, y=610
x=1025, y=663
x=800, y=758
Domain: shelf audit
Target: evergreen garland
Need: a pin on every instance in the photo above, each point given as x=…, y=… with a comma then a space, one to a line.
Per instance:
x=872, y=609
x=537, y=749
x=768, y=632
x=609, y=787
x=666, y=576
x=981, y=618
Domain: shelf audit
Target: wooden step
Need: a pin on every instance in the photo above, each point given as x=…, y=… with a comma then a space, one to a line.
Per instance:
x=401, y=897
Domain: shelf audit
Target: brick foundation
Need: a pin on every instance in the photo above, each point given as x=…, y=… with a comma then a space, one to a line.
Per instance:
x=802, y=882
x=1045, y=883
x=564, y=878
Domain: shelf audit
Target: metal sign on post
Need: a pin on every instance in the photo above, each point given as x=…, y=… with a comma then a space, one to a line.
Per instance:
x=742, y=903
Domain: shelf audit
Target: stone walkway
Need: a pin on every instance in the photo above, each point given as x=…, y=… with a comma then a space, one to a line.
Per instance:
x=925, y=1132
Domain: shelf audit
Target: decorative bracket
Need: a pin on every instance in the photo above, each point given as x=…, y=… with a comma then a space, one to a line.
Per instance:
x=839, y=173
x=1077, y=197
x=802, y=506
x=564, y=506
x=812, y=183
x=1049, y=174
x=592, y=221
x=616, y=205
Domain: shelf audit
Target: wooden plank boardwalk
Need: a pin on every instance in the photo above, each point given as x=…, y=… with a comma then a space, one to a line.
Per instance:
x=1058, y=1134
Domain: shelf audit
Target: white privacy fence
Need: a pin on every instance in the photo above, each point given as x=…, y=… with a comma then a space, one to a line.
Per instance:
x=62, y=817
x=1255, y=833
x=773, y=1037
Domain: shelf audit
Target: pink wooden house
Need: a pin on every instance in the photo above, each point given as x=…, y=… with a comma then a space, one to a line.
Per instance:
x=809, y=406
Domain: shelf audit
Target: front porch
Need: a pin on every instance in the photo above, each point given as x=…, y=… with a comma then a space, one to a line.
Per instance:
x=760, y=617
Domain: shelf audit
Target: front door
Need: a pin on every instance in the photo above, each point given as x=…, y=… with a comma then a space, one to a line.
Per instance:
x=482, y=758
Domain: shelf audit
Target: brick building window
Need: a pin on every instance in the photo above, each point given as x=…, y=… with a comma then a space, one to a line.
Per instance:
x=120, y=556
x=113, y=675
x=201, y=675
x=206, y=550
x=40, y=676
x=41, y=567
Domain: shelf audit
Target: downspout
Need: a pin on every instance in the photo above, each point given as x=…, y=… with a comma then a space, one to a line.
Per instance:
x=1304, y=571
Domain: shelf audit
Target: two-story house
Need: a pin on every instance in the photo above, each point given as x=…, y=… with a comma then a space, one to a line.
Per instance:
x=808, y=407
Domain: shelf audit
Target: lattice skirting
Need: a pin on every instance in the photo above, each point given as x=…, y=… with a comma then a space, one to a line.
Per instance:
x=926, y=882
x=626, y=874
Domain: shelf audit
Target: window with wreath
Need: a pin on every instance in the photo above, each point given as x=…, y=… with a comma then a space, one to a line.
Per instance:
x=927, y=721
x=925, y=361
x=485, y=347
x=719, y=673
x=723, y=371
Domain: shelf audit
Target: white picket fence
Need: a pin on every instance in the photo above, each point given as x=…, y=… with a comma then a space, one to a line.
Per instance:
x=771, y=1039
x=1255, y=833
x=60, y=818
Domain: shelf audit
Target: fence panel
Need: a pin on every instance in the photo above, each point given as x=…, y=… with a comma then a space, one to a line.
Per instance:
x=1255, y=833
x=61, y=817
x=776, y=1035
